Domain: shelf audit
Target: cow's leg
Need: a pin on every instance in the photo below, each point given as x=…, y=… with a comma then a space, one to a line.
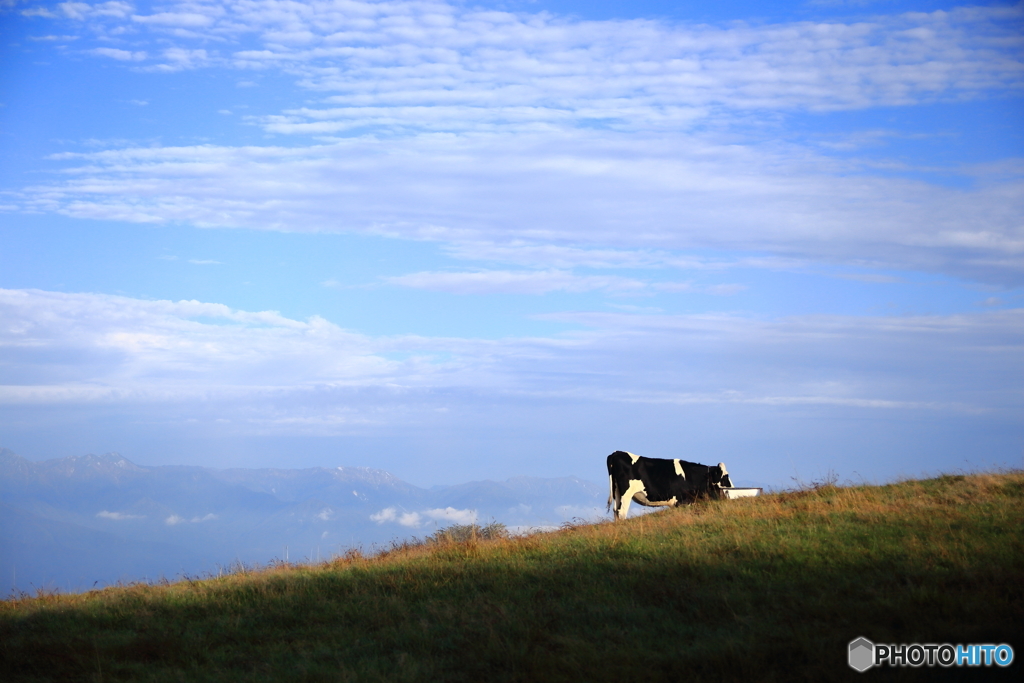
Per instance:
x=616, y=496
x=635, y=486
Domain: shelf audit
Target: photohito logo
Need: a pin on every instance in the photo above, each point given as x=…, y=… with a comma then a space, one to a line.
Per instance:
x=863, y=654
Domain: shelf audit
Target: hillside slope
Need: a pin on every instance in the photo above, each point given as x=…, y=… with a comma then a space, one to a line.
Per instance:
x=755, y=589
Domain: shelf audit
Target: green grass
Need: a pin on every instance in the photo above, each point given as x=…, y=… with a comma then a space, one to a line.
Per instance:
x=769, y=588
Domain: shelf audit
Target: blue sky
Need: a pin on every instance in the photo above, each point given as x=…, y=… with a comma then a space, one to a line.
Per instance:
x=467, y=240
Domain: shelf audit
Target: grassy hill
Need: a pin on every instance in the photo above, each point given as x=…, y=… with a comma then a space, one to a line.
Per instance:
x=771, y=588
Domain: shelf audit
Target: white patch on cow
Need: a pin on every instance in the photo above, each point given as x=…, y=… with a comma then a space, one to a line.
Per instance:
x=725, y=473
x=679, y=469
x=635, y=486
x=633, y=456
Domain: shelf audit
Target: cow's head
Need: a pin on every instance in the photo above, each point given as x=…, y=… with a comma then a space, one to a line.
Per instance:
x=720, y=476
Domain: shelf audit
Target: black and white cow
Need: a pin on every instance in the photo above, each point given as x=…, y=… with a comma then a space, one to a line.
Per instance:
x=655, y=482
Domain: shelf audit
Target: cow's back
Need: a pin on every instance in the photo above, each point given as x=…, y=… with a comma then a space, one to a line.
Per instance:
x=620, y=462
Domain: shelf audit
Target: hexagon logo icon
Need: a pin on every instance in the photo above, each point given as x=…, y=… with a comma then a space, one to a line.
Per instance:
x=862, y=654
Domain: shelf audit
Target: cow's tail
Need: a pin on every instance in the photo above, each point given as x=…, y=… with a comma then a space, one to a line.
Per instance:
x=611, y=492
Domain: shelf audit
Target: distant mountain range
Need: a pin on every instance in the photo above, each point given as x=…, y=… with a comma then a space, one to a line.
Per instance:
x=81, y=521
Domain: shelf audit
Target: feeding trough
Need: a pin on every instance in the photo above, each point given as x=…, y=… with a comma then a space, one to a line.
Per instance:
x=733, y=492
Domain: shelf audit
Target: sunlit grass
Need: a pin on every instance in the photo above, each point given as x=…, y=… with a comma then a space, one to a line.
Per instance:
x=769, y=588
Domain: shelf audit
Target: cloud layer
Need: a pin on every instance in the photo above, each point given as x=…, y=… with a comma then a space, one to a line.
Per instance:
x=263, y=373
x=485, y=129
x=414, y=520
x=574, y=190
x=437, y=66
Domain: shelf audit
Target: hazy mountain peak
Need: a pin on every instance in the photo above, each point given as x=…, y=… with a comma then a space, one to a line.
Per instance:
x=13, y=466
x=111, y=465
x=368, y=475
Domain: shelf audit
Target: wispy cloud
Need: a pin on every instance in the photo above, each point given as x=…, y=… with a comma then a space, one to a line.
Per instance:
x=875, y=278
x=515, y=282
x=120, y=55
x=438, y=66
x=179, y=59
x=177, y=19
x=566, y=256
x=174, y=520
x=263, y=373
x=83, y=11
x=647, y=195
x=542, y=282
x=117, y=516
x=556, y=143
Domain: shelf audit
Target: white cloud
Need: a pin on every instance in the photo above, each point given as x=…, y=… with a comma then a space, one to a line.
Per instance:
x=182, y=19
x=83, y=11
x=415, y=520
x=385, y=515
x=120, y=55
x=725, y=290
x=410, y=519
x=178, y=59
x=204, y=262
x=38, y=12
x=174, y=520
x=543, y=282
x=452, y=515
x=118, y=516
x=148, y=350
x=537, y=254
x=516, y=282
x=875, y=278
